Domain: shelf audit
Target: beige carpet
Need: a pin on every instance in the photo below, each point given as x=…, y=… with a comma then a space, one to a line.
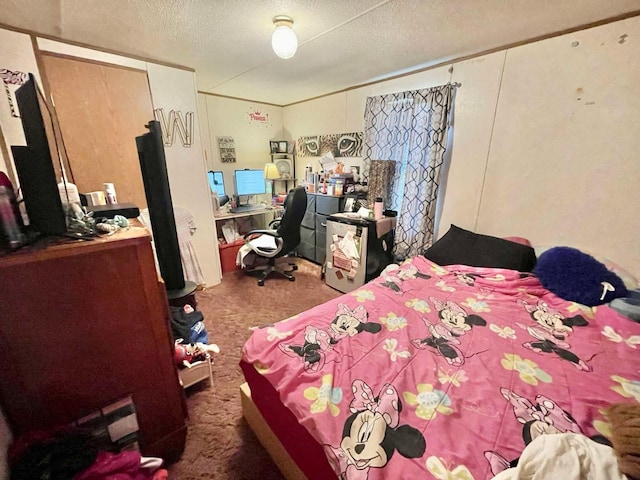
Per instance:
x=220, y=445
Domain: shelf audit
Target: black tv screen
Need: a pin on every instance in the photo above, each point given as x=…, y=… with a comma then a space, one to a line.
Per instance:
x=158, y=193
x=38, y=164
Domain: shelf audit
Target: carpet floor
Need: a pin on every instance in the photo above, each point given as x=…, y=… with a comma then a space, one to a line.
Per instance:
x=220, y=445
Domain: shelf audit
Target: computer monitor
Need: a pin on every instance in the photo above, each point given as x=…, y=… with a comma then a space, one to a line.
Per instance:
x=216, y=182
x=249, y=182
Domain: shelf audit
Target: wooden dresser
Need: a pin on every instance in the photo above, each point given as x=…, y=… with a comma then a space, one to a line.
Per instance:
x=85, y=324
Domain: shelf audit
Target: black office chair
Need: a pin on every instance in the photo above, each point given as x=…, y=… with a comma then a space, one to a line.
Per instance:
x=286, y=232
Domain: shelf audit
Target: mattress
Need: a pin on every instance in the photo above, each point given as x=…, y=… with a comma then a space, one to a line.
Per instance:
x=432, y=371
x=300, y=445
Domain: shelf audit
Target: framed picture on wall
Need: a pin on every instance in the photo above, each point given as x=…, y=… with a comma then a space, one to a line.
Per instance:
x=283, y=147
x=273, y=147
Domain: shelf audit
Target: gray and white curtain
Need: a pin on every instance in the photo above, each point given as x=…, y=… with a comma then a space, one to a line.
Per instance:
x=410, y=128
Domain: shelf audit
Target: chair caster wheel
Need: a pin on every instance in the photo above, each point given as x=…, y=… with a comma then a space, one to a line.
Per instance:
x=292, y=279
x=261, y=283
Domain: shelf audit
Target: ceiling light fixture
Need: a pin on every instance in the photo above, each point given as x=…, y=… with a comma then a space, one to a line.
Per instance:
x=284, y=40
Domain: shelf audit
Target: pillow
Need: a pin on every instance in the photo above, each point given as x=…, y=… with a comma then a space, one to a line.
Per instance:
x=520, y=240
x=459, y=246
x=630, y=281
x=577, y=276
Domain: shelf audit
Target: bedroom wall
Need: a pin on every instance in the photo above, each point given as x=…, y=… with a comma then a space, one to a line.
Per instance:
x=566, y=133
x=544, y=141
x=251, y=124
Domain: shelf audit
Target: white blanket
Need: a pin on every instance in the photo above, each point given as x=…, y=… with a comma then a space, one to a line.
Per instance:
x=565, y=456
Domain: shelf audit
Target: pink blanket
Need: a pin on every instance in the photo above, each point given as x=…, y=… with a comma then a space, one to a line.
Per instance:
x=432, y=371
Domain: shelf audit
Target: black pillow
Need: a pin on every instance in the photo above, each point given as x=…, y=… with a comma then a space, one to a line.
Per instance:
x=459, y=246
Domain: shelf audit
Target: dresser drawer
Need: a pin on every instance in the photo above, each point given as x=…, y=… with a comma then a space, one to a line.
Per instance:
x=311, y=203
x=307, y=251
x=320, y=222
x=309, y=220
x=327, y=205
x=308, y=235
x=321, y=255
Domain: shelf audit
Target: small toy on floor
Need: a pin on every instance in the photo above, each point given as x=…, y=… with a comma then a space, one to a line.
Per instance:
x=185, y=354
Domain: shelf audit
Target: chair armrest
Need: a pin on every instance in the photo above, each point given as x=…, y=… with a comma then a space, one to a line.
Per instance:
x=275, y=223
x=272, y=233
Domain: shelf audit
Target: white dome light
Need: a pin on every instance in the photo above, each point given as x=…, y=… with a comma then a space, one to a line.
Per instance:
x=284, y=40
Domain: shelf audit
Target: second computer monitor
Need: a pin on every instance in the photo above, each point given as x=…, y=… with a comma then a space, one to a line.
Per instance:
x=249, y=182
x=216, y=182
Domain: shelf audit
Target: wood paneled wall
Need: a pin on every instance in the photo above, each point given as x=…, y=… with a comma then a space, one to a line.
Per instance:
x=101, y=108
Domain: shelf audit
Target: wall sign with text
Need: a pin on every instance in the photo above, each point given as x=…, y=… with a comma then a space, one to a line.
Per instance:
x=227, y=149
x=258, y=116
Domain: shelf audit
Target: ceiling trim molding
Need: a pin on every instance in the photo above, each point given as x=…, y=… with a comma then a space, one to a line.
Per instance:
x=33, y=33
x=539, y=38
x=242, y=99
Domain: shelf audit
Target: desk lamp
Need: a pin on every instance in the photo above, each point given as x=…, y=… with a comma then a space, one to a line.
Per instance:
x=272, y=173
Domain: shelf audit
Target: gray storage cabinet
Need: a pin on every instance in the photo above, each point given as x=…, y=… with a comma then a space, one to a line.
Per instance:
x=313, y=230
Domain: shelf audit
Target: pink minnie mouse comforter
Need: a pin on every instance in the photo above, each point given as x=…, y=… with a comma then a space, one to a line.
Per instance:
x=434, y=372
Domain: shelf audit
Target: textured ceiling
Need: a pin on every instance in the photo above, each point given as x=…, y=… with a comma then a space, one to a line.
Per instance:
x=341, y=43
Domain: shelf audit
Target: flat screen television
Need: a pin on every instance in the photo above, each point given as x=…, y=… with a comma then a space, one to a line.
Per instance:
x=156, y=188
x=38, y=163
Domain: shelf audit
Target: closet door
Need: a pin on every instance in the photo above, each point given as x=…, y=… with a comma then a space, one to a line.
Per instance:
x=101, y=108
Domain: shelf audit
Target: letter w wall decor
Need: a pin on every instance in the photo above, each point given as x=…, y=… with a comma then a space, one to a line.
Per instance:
x=176, y=121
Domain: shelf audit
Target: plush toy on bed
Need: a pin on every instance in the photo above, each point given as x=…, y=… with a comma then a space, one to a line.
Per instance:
x=575, y=276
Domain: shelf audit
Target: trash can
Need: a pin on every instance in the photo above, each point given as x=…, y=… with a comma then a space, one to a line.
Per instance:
x=228, y=254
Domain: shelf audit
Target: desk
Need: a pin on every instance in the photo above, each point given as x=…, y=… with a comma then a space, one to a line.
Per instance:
x=229, y=216
x=227, y=253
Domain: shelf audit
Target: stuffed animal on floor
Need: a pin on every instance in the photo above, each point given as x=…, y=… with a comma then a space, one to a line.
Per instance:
x=186, y=354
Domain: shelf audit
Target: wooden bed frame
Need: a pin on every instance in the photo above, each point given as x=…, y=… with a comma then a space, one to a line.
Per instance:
x=267, y=438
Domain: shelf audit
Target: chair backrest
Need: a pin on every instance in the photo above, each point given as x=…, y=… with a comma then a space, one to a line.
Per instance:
x=294, y=210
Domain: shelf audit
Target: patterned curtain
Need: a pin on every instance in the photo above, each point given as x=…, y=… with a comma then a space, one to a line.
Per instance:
x=411, y=129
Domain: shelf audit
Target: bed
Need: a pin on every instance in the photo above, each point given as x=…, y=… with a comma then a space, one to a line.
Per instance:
x=434, y=372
